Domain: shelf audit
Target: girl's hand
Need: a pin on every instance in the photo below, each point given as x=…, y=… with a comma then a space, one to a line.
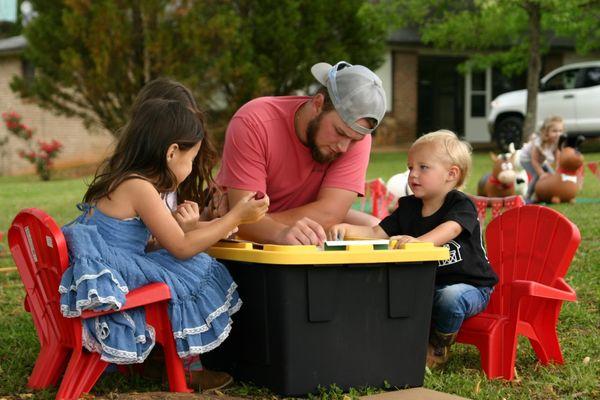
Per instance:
x=401, y=239
x=249, y=210
x=187, y=215
x=231, y=233
x=337, y=232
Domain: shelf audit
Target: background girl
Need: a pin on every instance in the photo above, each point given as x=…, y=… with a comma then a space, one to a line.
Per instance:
x=540, y=151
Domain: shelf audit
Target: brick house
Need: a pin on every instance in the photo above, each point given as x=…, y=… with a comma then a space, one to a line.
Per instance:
x=80, y=145
x=425, y=91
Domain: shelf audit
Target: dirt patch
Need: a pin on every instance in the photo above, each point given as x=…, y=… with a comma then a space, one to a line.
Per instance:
x=165, y=396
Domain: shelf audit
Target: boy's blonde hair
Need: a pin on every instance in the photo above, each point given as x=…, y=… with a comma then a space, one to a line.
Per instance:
x=450, y=149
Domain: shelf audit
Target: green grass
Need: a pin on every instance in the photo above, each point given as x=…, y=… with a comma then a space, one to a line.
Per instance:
x=579, y=324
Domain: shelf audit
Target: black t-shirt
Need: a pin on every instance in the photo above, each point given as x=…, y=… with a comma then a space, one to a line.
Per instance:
x=468, y=262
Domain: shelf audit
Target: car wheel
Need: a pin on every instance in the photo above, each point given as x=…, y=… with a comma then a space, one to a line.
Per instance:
x=509, y=130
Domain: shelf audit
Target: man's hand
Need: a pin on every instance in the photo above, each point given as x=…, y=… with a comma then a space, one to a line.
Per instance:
x=187, y=215
x=305, y=231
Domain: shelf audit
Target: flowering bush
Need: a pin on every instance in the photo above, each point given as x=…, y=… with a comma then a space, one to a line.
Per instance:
x=41, y=154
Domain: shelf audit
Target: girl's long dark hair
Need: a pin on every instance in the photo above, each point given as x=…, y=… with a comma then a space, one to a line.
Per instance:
x=142, y=148
x=201, y=175
x=191, y=188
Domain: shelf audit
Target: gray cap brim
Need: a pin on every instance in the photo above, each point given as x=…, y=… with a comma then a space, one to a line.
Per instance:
x=321, y=71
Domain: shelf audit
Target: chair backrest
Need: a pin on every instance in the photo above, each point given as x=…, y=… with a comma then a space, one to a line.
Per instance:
x=497, y=204
x=532, y=243
x=40, y=253
x=380, y=198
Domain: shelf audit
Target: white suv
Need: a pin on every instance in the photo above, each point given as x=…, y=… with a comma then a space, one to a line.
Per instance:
x=571, y=92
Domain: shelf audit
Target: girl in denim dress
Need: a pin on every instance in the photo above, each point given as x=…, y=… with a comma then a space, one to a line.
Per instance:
x=122, y=209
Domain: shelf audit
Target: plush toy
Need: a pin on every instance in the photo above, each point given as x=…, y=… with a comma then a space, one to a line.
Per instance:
x=501, y=182
x=521, y=177
x=563, y=185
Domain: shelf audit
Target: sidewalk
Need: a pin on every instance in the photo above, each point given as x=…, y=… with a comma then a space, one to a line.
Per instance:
x=413, y=394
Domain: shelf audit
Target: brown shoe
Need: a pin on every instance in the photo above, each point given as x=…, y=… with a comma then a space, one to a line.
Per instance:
x=438, y=350
x=207, y=379
x=437, y=356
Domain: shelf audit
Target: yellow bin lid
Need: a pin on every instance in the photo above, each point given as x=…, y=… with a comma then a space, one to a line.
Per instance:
x=313, y=255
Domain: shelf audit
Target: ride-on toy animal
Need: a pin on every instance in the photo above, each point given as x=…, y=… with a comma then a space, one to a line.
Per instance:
x=563, y=185
x=501, y=182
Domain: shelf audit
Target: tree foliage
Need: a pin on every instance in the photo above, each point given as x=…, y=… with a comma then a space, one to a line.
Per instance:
x=509, y=34
x=92, y=57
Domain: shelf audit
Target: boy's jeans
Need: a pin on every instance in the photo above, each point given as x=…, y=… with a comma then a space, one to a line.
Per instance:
x=453, y=303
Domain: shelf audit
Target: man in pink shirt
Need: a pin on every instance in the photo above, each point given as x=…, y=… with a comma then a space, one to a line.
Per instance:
x=308, y=154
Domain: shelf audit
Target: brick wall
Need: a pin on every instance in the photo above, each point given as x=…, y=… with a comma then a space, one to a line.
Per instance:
x=81, y=146
x=404, y=111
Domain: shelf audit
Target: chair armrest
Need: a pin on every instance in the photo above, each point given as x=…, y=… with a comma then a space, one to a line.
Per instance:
x=152, y=293
x=535, y=289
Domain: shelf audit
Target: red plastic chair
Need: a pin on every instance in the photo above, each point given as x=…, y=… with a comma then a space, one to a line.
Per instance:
x=497, y=204
x=380, y=198
x=593, y=166
x=530, y=248
x=40, y=253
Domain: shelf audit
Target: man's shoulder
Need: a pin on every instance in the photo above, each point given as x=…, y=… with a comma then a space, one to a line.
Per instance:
x=270, y=107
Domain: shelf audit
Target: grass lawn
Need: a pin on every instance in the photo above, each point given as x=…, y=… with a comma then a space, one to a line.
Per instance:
x=579, y=324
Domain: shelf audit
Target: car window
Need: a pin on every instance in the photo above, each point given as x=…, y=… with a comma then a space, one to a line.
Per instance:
x=563, y=80
x=591, y=77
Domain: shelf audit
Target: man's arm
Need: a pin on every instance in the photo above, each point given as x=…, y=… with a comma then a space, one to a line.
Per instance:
x=330, y=208
x=298, y=225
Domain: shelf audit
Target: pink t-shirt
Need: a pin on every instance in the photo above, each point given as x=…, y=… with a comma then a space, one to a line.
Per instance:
x=263, y=153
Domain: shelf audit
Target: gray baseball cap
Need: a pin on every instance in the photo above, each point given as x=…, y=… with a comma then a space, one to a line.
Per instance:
x=356, y=92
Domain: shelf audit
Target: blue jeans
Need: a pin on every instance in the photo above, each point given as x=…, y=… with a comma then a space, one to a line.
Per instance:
x=528, y=166
x=453, y=303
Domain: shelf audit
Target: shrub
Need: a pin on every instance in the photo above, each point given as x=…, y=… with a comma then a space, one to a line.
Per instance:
x=39, y=152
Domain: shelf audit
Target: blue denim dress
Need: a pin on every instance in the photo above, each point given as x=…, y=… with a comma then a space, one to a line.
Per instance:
x=108, y=259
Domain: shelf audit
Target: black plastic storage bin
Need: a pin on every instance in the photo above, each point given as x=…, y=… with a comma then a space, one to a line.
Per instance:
x=302, y=326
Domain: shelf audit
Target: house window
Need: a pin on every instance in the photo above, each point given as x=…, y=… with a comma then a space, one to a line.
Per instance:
x=477, y=93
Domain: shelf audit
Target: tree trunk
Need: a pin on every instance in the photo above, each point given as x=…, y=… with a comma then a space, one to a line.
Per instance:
x=138, y=44
x=534, y=68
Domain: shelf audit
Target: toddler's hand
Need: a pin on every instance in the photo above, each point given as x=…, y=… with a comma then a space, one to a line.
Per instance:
x=337, y=232
x=187, y=215
x=401, y=239
x=249, y=210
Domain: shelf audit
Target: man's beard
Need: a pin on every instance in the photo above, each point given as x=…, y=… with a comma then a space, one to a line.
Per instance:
x=311, y=135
